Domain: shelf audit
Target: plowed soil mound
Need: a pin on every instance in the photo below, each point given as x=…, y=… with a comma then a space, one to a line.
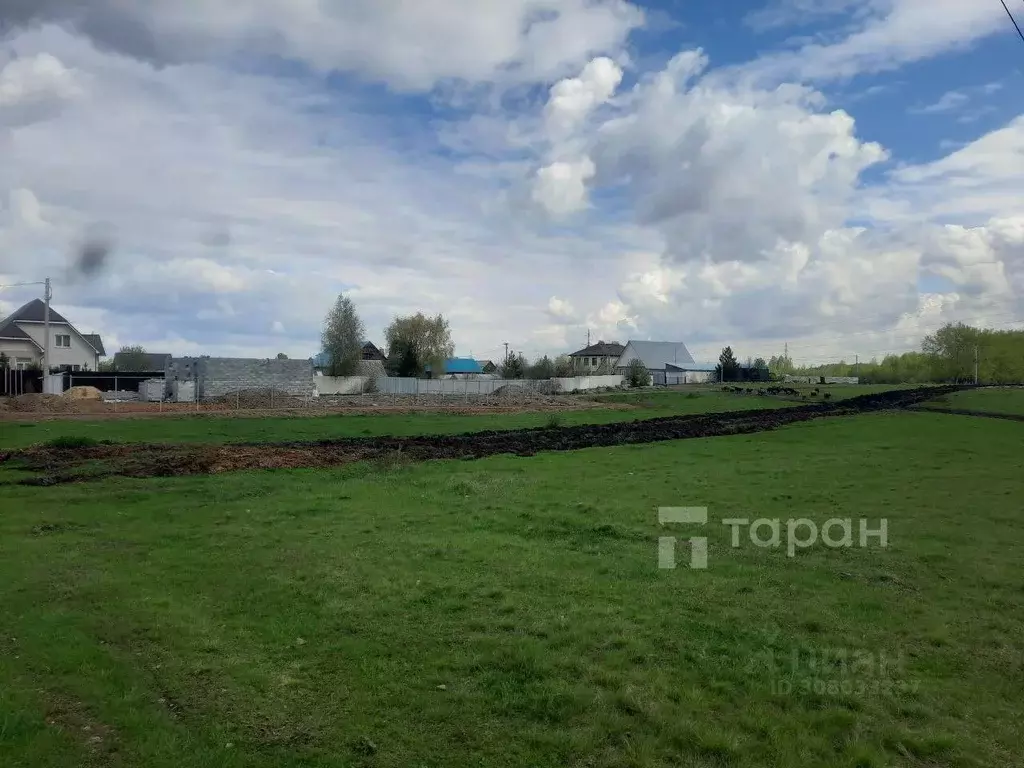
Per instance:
x=139, y=460
x=42, y=404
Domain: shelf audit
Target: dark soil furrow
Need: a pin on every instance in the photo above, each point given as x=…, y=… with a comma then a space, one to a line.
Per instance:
x=74, y=464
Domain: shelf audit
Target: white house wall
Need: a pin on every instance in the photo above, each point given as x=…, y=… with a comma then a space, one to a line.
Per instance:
x=628, y=355
x=79, y=353
x=15, y=349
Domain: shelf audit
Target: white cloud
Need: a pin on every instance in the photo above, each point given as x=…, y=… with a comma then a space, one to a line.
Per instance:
x=787, y=13
x=723, y=172
x=560, y=309
x=949, y=101
x=572, y=99
x=886, y=35
x=24, y=206
x=695, y=204
x=409, y=45
x=35, y=88
x=561, y=187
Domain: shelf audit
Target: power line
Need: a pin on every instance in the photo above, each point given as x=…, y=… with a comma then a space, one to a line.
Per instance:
x=1015, y=25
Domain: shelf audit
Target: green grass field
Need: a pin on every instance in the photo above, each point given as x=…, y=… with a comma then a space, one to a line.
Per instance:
x=225, y=429
x=511, y=612
x=995, y=400
x=835, y=391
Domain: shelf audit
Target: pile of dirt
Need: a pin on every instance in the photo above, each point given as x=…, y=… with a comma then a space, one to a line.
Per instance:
x=40, y=404
x=88, y=462
x=84, y=393
x=532, y=392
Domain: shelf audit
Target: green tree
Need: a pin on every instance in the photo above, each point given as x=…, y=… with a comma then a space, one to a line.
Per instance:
x=282, y=356
x=953, y=349
x=637, y=374
x=430, y=336
x=405, y=360
x=514, y=366
x=563, y=366
x=728, y=369
x=542, y=369
x=759, y=370
x=131, y=357
x=342, y=337
x=781, y=365
x=5, y=361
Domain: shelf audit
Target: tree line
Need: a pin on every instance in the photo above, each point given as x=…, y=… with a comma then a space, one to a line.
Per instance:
x=414, y=343
x=953, y=354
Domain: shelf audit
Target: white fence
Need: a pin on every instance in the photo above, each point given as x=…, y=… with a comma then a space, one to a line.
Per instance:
x=583, y=383
x=340, y=385
x=393, y=385
x=787, y=379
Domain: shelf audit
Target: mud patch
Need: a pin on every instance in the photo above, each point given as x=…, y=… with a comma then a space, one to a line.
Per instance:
x=57, y=465
x=71, y=717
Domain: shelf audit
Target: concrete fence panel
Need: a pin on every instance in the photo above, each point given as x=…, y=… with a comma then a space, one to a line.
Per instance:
x=583, y=383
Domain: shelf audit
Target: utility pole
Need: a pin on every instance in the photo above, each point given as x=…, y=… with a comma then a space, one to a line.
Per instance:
x=856, y=366
x=588, y=337
x=506, y=351
x=975, y=365
x=47, y=294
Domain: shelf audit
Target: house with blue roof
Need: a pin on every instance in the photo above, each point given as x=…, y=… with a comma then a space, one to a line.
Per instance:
x=459, y=367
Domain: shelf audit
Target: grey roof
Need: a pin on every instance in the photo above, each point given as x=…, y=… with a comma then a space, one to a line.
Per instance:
x=94, y=341
x=600, y=349
x=154, y=361
x=657, y=354
x=35, y=312
x=370, y=348
x=9, y=330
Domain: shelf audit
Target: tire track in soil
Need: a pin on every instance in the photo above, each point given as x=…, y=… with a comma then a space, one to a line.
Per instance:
x=62, y=465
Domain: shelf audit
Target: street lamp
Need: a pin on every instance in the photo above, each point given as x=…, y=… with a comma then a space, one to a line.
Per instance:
x=47, y=295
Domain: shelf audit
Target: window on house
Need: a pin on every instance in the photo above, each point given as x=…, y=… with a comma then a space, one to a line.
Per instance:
x=62, y=340
x=21, y=363
x=593, y=361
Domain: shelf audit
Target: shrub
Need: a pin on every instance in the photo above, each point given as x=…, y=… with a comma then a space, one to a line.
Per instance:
x=68, y=442
x=554, y=421
x=390, y=461
x=637, y=374
x=370, y=387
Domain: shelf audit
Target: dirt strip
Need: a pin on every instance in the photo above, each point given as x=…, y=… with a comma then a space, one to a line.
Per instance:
x=75, y=464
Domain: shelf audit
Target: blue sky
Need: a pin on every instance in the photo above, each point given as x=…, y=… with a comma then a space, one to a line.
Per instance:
x=839, y=175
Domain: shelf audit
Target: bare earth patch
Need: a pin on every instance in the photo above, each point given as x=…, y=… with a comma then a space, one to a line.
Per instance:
x=76, y=463
x=46, y=407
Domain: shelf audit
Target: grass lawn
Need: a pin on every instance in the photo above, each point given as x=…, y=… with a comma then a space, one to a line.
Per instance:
x=510, y=611
x=216, y=429
x=837, y=391
x=995, y=400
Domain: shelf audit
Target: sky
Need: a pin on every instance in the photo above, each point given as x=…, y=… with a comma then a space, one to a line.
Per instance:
x=838, y=176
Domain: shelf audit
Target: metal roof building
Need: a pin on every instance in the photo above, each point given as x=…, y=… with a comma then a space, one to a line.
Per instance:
x=656, y=355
